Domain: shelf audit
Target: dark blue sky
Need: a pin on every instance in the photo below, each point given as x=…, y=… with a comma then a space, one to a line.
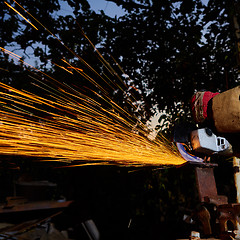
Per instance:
x=109, y=8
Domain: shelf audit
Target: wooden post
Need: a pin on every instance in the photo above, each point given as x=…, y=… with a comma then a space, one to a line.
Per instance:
x=236, y=167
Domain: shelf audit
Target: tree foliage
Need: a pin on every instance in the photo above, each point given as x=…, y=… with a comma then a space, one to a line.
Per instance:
x=177, y=47
x=168, y=48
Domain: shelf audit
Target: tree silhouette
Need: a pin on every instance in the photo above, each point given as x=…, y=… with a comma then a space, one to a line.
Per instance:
x=167, y=49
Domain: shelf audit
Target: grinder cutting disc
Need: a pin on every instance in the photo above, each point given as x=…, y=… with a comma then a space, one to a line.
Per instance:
x=182, y=139
x=182, y=148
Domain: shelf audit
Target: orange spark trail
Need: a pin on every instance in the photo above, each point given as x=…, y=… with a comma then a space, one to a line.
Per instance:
x=108, y=147
x=93, y=137
x=68, y=125
x=20, y=15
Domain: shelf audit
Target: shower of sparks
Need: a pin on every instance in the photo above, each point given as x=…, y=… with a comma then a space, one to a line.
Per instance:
x=20, y=15
x=67, y=125
x=95, y=135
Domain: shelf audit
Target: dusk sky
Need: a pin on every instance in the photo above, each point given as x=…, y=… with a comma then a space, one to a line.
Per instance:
x=109, y=8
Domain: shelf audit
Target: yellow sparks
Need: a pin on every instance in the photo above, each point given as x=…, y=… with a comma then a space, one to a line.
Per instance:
x=3, y=69
x=62, y=67
x=20, y=15
x=93, y=137
x=70, y=126
x=79, y=69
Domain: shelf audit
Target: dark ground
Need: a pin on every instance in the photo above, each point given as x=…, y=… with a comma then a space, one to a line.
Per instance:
x=124, y=203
